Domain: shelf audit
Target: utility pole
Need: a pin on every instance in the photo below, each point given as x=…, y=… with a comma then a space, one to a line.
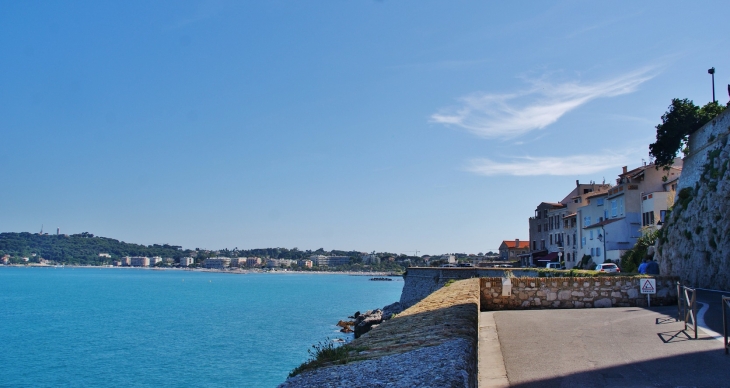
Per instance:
x=711, y=71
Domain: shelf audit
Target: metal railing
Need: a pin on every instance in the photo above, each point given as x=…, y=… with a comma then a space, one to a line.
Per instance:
x=689, y=308
x=725, y=307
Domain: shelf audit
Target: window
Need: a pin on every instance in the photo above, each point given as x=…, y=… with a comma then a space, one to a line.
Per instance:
x=591, y=234
x=544, y=212
x=593, y=252
x=598, y=252
x=614, y=208
x=551, y=239
x=539, y=228
x=534, y=245
x=582, y=242
x=662, y=214
x=599, y=201
x=542, y=244
x=567, y=239
x=621, y=205
x=574, y=238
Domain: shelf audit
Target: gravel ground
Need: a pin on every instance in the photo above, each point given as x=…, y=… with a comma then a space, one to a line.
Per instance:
x=450, y=364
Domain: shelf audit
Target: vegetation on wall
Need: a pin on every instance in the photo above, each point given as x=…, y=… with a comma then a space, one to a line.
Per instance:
x=631, y=259
x=681, y=119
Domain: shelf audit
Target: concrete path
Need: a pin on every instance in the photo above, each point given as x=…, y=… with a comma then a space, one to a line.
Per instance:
x=614, y=347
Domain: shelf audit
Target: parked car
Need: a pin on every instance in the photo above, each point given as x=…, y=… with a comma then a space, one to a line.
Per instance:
x=553, y=266
x=608, y=268
x=464, y=265
x=447, y=265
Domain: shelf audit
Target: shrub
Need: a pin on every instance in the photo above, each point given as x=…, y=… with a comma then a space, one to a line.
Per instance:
x=325, y=353
x=631, y=259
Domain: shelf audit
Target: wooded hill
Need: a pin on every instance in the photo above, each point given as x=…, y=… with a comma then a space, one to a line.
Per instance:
x=84, y=249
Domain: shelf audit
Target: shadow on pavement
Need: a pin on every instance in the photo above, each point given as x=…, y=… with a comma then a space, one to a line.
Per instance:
x=702, y=369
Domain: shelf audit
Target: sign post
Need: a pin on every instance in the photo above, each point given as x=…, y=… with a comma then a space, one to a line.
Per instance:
x=648, y=287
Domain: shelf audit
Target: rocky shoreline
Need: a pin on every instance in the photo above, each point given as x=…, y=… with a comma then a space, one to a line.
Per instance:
x=362, y=323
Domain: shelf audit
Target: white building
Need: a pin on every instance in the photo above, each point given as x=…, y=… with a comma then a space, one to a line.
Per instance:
x=186, y=261
x=139, y=261
x=217, y=262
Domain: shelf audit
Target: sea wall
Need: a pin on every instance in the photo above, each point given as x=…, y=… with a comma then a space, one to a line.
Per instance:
x=420, y=282
x=432, y=343
x=694, y=243
x=608, y=291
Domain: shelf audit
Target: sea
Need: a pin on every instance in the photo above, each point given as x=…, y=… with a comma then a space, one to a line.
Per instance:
x=100, y=327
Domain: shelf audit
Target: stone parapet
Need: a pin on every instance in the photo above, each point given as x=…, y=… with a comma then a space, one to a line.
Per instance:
x=571, y=292
x=420, y=282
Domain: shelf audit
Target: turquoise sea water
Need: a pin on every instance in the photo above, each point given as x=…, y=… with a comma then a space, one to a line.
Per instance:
x=128, y=327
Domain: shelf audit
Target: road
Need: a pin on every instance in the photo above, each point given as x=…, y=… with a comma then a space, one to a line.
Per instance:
x=613, y=347
x=712, y=316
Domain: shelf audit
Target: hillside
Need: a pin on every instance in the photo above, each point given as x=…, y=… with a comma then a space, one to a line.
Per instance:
x=81, y=248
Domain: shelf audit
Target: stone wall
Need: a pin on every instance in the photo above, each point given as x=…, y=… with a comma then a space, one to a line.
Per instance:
x=608, y=291
x=700, y=141
x=694, y=243
x=420, y=282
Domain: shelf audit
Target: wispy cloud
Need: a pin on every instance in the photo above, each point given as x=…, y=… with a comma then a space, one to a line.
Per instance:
x=513, y=114
x=564, y=165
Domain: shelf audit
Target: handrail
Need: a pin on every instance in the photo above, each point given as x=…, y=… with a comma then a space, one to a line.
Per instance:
x=725, y=306
x=679, y=301
x=690, y=308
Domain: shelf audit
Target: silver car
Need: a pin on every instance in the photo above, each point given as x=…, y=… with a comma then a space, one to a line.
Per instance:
x=608, y=268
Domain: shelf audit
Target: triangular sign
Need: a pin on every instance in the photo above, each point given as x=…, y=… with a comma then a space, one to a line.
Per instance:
x=647, y=286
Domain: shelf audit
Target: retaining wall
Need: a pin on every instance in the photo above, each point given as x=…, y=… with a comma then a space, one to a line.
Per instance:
x=420, y=282
x=609, y=291
x=433, y=343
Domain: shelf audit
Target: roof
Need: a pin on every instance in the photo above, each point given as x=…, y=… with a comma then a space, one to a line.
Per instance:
x=571, y=215
x=552, y=256
x=511, y=244
x=597, y=194
x=604, y=222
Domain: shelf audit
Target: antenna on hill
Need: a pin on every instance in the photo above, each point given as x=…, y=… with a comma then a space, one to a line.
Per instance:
x=41, y=229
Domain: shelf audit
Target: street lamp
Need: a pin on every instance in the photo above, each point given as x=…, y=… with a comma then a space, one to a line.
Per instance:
x=711, y=71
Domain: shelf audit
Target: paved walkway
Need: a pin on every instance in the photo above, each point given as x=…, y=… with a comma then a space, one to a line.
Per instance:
x=613, y=347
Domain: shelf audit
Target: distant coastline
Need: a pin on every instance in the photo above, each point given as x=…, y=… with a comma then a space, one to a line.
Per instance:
x=211, y=270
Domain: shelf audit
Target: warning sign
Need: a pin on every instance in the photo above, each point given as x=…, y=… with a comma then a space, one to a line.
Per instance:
x=648, y=286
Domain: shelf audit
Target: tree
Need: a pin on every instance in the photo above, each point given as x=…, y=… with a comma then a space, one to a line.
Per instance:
x=682, y=118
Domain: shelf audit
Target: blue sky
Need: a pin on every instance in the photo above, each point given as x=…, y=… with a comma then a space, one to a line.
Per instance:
x=388, y=126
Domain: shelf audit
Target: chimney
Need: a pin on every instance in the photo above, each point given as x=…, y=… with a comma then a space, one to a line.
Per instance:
x=625, y=170
x=577, y=183
x=517, y=243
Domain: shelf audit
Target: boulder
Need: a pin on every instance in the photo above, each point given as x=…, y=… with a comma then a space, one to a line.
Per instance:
x=392, y=309
x=365, y=322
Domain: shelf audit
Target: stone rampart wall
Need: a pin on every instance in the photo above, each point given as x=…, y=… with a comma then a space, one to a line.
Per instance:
x=420, y=282
x=706, y=138
x=613, y=291
x=431, y=344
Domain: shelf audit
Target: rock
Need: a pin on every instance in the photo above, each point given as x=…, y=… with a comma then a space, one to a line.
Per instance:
x=605, y=302
x=392, y=309
x=564, y=295
x=365, y=322
x=633, y=293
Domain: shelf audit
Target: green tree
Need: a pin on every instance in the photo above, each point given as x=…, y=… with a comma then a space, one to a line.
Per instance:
x=681, y=119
